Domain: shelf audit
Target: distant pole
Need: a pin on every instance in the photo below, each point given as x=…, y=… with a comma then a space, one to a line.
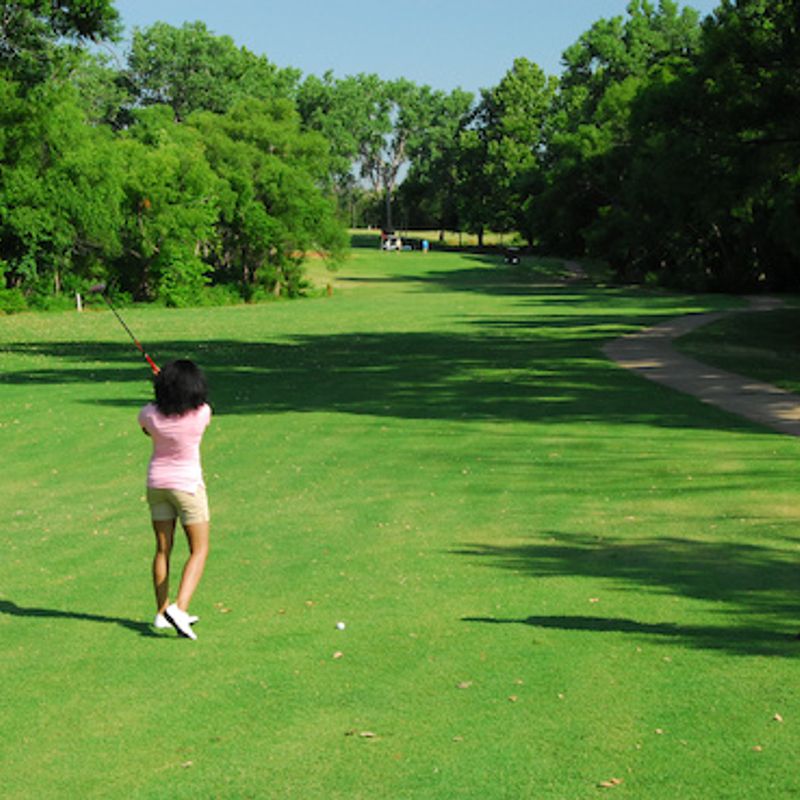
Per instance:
x=78, y=301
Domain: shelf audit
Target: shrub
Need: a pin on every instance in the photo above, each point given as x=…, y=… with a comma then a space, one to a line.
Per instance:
x=182, y=281
x=12, y=301
x=225, y=294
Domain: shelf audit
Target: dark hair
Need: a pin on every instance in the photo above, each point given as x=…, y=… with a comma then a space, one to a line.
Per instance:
x=180, y=386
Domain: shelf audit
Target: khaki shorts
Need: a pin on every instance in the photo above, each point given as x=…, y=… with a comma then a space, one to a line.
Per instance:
x=166, y=504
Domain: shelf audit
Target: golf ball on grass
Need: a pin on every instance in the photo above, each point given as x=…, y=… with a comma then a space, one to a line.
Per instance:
x=340, y=625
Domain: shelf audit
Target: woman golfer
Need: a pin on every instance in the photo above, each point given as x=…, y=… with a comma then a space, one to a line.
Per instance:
x=176, y=422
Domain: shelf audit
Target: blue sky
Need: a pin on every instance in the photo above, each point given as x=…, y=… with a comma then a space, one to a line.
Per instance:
x=442, y=43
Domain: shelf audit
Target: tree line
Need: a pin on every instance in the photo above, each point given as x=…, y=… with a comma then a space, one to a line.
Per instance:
x=195, y=169
x=669, y=147
x=185, y=175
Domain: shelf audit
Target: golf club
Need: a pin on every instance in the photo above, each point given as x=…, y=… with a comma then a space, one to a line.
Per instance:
x=100, y=289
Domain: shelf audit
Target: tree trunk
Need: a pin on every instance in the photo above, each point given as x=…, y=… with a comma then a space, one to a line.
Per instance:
x=389, y=210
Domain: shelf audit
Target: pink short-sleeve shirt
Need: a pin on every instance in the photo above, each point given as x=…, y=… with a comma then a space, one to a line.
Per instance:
x=175, y=463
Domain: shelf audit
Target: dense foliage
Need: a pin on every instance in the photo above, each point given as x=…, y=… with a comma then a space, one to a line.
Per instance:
x=186, y=168
x=675, y=147
x=669, y=147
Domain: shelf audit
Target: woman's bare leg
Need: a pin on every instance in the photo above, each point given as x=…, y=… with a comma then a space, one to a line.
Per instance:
x=165, y=535
x=197, y=534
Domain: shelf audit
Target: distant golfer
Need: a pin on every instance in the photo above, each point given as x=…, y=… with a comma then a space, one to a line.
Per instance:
x=176, y=421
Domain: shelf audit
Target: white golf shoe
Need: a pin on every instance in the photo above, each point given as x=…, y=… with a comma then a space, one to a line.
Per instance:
x=179, y=620
x=162, y=623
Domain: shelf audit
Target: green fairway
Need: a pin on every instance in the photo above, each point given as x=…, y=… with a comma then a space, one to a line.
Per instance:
x=553, y=573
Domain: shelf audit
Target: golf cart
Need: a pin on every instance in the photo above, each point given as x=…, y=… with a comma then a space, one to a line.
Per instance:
x=390, y=241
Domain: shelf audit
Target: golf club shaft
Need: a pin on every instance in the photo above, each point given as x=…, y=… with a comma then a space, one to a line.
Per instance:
x=141, y=349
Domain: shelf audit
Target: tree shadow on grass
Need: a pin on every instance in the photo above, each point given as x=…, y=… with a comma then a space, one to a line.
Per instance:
x=551, y=373
x=740, y=640
x=549, y=288
x=140, y=628
x=754, y=585
x=539, y=362
x=488, y=273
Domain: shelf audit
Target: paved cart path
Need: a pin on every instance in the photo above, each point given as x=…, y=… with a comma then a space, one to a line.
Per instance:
x=651, y=354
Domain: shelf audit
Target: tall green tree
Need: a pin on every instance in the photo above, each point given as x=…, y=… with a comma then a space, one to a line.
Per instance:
x=339, y=109
x=272, y=209
x=374, y=127
x=474, y=174
x=60, y=190
x=103, y=90
x=170, y=209
x=347, y=112
x=503, y=147
x=429, y=194
x=388, y=120
x=191, y=69
x=586, y=153
x=715, y=186
x=408, y=111
x=38, y=38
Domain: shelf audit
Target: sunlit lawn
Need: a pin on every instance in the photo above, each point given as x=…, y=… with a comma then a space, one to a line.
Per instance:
x=552, y=573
